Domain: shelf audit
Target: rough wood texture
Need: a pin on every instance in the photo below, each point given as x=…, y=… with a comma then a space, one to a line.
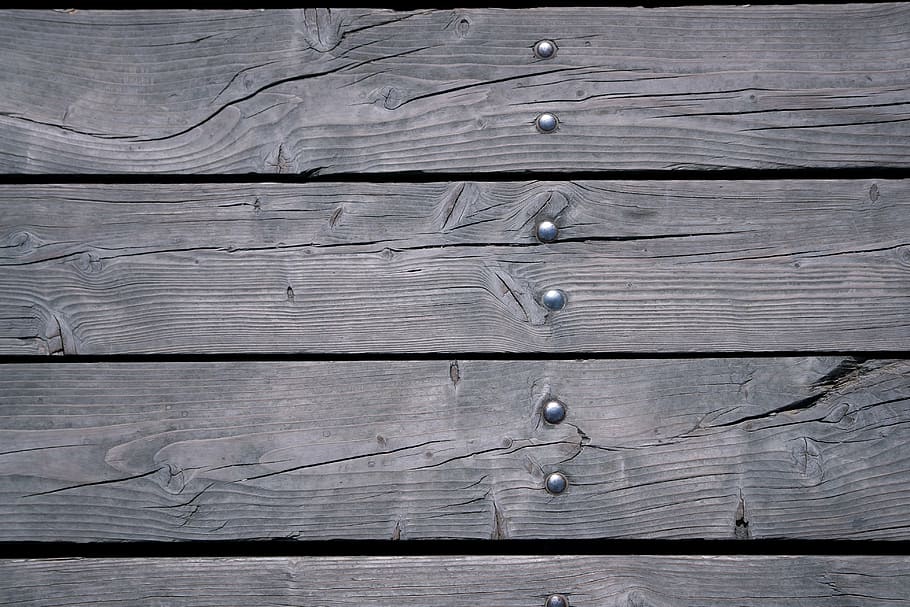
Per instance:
x=509, y=581
x=814, y=448
x=454, y=267
x=342, y=91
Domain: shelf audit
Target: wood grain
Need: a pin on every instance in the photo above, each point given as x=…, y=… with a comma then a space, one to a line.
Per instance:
x=648, y=266
x=322, y=91
x=510, y=581
x=732, y=448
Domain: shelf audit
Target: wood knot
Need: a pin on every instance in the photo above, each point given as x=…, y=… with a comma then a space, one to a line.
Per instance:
x=280, y=161
x=839, y=414
x=549, y=205
x=322, y=28
x=457, y=204
x=58, y=340
x=172, y=479
x=634, y=598
x=517, y=297
x=903, y=255
x=873, y=193
x=388, y=97
x=454, y=373
x=460, y=24
x=807, y=457
x=89, y=263
x=20, y=244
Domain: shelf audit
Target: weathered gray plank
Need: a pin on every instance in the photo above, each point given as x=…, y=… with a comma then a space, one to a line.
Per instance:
x=454, y=267
x=815, y=448
x=345, y=91
x=510, y=581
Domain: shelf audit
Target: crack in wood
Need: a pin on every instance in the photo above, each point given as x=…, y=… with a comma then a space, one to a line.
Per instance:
x=95, y=483
x=342, y=460
x=741, y=522
x=500, y=528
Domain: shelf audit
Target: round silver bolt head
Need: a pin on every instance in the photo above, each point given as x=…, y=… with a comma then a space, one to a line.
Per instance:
x=554, y=411
x=554, y=299
x=547, y=122
x=557, y=600
x=547, y=231
x=556, y=483
x=545, y=49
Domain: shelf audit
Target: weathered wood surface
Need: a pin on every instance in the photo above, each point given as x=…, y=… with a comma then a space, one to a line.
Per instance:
x=455, y=267
x=800, y=448
x=343, y=91
x=509, y=581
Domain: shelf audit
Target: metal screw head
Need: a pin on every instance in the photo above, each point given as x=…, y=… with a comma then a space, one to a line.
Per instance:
x=545, y=49
x=557, y=600
x=554, y=411
x=547, y=122
x=554, y=299
x=556, y=483
x=547, y=231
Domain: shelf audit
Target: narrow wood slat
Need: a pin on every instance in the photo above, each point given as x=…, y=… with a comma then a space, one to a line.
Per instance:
x=510, y=581
x=799, y=448
x=352, y=91
x=454, y=267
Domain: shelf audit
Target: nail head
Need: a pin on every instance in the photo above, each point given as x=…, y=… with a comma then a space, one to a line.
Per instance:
x=557, y=600
x=554, y=411
x=556, y=483
x=545, y=49
x=547, y=122
x=554, y=299
x=547, y=231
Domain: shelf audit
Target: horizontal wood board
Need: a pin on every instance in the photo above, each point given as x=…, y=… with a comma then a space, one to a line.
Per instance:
x=729, y=448
x=509, y=581
x=648, y=266
x=321, y=91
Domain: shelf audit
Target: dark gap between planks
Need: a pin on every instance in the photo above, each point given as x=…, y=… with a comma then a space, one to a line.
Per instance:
x=419, y=356
x=491, y=177
x=291, y=548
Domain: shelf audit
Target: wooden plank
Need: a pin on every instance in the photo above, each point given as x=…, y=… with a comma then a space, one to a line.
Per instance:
x=519, y=581
x=350, y=91
x=455, y=267
x=799, y=448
